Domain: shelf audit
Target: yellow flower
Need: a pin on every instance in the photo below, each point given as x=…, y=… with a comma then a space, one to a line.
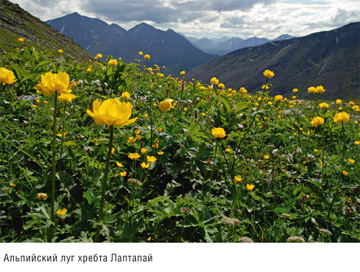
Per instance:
x=145, y=165
x=123, y=174
x=250, y=187
x=147, y=56
x=270, y=103
x=88, y=70
x=61, y=212
x=278, y=98
x=137, y=131
x=12, y=184
x=341, y=117
x=52, y=83
x=21, y=40
x=119, y=164
x=228, y=150
x=143, y=150
x=66, y=97
x=113, y=62
x=351, y=103
x=237, y=179
x=141, y=53
x=131, y=140
x=41, y=196
x=112, y=150
x=317, y=121
x=160, y=153
x=351, y=161
x=345, y=173
x=311, y=90
x=151, y=159
x=293, y=97
x=165, y=105
x=125, y=95
x=6, y=76
x=61, y=134
x=268, y=74
x=182, y=73
x=134, y=156
x=218, y=132
x=214, y=80
x=320, y=89
x=357, y=142
x=338, y=101
x=111, y=112
x=323, y=105
x=266, y=157
x=295, y=90
x=60, y=51
x=98, y=56
x=221, y=86
x=265, y=87
x=316, y=150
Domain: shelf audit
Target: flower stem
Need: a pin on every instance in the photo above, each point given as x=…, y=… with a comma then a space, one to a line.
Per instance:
x=53, y=173
x=103, y=185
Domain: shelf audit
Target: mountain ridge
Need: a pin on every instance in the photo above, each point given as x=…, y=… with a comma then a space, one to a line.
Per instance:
x=166, y=48
x=328, y=58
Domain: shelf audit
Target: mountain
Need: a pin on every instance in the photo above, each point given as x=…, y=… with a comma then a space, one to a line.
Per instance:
x=166, y=48
x=226, y=45
x=15, y=23
x=329, y=58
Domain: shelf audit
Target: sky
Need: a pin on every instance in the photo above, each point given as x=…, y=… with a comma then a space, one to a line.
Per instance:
x=210, y=18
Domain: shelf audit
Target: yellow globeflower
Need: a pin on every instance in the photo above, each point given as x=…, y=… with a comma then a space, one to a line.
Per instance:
x=345, y=173
x=357, y=142
x=338, y=101
x=52, y=83
x=278, y=98
x=134, y=156
x=320, y=89
x=311, y=90
x=341, y=117
x=317, y=121
x=147, y=56
x=143, y=150
x=237, y=179
x=351, y=161
x=98, y=56
x=66, y=97
x=21, y=40
x=111, y=112
x=125, y=95
x=295, y=90
x=6, y=76
x=351, y=103
x=141, y=53
x=41, y=196
x=266, y=157
x=145, y=165
x=323, y=105
x=214, y=80
x=250, y=187
x=123, y=174
x=268, y=74
x=218, y=132
x=119, y=164
x=165, y=105
x=151, y=159
x=221, y=86
x=182, y=73
x=61, y=212
x=113, y=62
x=60, y=51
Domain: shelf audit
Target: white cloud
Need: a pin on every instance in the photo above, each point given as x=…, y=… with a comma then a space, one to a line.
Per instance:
x=210, y=18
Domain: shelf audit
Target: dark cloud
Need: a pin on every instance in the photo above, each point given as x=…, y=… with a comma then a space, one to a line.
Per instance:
x=161, y=11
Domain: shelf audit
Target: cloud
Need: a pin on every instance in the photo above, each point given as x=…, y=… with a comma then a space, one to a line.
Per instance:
x=164, y=11
x=210, y=18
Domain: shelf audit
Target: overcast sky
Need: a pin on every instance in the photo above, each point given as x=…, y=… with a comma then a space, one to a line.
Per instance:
x=210, y=18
